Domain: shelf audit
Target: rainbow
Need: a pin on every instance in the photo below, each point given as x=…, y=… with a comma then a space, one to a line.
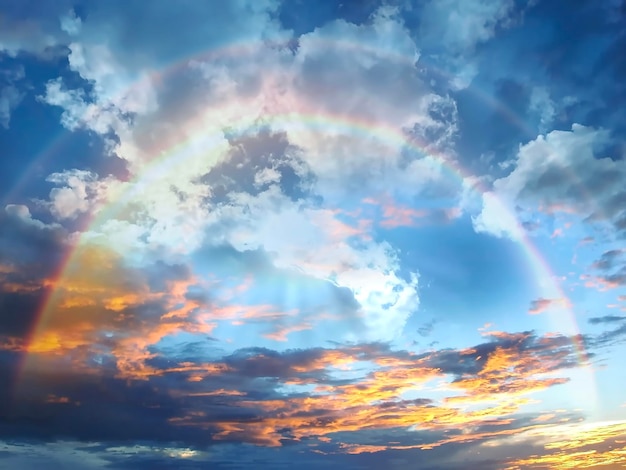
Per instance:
x=292, y=121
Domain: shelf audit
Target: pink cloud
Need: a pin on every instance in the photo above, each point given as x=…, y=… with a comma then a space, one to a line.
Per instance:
x=541, y=305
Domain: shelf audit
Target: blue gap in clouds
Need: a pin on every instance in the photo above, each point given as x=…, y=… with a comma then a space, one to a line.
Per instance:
x=491, y=127
x=303, y=16
x=36, y=144
x=461, y=272
x=582, y=56
x=540, y=52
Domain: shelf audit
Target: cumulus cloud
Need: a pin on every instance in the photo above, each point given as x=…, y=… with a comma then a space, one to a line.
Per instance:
x=561, y=172
x=80, y=192
x=347, y=98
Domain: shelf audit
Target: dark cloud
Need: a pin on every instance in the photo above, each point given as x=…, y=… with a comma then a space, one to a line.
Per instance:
x=161, y=273
x=617, y=278
x=30, y=255
x=168, y=407
x=606, y=319
x=26, y=242
x=609, y=260
x=612, y=265
x=255, y=162
x=120, y=411
x=426, y=329
x=611, y=337
x=169, y=412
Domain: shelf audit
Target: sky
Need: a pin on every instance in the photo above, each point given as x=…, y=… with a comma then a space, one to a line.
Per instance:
x=260, y=234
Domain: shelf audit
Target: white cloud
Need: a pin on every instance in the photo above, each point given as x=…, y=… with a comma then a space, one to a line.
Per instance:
x=318, y=243
x=80, y=192
x=497, y=218
x=342, y=100
x=266, y=176
x=23, y=212
x=560, y=172
x=366, y=71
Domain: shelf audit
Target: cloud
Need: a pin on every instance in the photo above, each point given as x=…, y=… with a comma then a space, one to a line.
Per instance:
x=426, y=329
x=609, y=260
x=611, y=337
x=252, y=395
x=110, y=310
x=33, y=30
x=217, y=194
x=451, y=31
x=606, y=319
x=559, y=172
x=80, y=192
x=11, y=79
x=576, y=446
x=241, y=287
x=378, y=392
x=542, y=305
x=298, y=168
x=31, y=252
x=612, y=268
x=10, y=97
x=462, y=26
x=496, y=218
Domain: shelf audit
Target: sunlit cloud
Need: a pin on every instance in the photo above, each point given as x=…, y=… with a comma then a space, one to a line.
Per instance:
x=362, y=234
x=578, y=446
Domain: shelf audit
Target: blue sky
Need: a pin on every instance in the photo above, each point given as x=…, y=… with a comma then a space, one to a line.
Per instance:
x=257, y=234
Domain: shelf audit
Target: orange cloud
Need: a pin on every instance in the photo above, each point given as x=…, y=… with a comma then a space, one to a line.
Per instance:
x=510, y=372
x=376, y=401
x=394, y=215
x=600, y=283
x=281, y=333
x=10, y=343
x=96, y=295
x=93, y=312
x=56, y=399
x=397, y=216
x=578, y=446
